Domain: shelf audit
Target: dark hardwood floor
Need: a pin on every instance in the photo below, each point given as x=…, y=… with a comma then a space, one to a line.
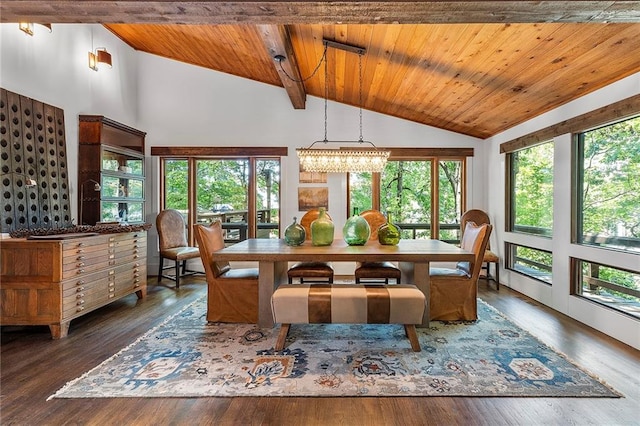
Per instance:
x=33, y=366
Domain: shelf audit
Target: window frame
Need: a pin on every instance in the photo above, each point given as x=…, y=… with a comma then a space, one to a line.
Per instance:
x=192, y=155
x=435, y=156
x=510, y=207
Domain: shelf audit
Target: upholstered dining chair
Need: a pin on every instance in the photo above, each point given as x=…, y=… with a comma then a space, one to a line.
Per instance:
x=232, y=294
x=454, y=292
x=381, y=271
x=173, y=245
x=310, y=271
x=480, y=217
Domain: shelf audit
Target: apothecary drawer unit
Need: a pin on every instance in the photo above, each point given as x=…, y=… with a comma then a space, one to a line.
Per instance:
x=52, y=281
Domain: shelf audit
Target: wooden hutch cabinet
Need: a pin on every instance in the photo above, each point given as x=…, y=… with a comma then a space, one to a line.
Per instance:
x=111, y=155
x=53, y=279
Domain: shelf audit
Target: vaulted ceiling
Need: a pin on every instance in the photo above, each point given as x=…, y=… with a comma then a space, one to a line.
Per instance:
x=476, y=68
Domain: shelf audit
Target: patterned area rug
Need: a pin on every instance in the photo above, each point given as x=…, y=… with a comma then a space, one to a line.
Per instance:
x=186, y=357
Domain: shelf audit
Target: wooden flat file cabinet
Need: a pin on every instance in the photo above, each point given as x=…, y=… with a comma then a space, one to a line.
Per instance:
x=52, y=281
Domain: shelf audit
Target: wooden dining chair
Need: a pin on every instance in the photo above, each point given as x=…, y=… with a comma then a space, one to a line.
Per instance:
x=454, y=292
x=232, y=294
x=310, y=271
x=376, y=271
x=173, y=245
x=480, y=217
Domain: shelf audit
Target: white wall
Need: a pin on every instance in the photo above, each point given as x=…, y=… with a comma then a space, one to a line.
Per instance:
x=558, y=295
x=53, y=68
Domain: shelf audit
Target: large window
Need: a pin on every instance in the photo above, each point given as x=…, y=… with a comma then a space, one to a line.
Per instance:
x=529, y=261
x=530, y=181
x=243, y=193
x=423, y=206
x=608, y=186
x=605, y=285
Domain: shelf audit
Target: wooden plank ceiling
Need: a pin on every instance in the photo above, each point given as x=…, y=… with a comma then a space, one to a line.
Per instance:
x=470, y=69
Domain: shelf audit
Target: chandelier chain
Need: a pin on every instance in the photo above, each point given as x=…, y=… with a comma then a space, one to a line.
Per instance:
x=326, y=94
x=360, y=92
x=314, y=72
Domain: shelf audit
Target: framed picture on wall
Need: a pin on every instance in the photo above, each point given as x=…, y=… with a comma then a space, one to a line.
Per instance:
x=312, y=177
x=313, y=198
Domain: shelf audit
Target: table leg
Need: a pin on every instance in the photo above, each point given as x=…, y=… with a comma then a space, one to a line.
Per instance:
x=270, y=275
x=418, y=274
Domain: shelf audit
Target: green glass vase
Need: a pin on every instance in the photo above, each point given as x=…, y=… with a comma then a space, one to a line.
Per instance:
x=389, y=234
x=356, y=230
x=322, y=229
x=295, y=234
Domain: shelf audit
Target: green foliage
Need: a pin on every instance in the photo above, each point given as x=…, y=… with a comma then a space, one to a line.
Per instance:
x=175, y=180
x=406, y=191
x=360, y=191
x=532, y=192
x=611, y=188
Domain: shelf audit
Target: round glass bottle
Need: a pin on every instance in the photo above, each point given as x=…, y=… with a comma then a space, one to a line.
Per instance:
x=356, y=230
x=295, y=234
x=389, y=234
x=322, y=229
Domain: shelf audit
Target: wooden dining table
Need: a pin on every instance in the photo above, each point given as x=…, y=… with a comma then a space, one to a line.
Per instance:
x=273, y=256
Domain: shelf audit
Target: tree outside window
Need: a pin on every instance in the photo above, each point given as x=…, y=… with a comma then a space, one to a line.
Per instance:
x=609, y=186
x=422, y=208
x=531, y=190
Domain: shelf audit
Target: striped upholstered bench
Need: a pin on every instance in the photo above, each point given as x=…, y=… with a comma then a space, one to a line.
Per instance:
x=348, y=304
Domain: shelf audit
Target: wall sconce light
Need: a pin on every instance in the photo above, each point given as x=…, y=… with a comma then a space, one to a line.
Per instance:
x=96, y=188
x=100, y=56
x=27, y=27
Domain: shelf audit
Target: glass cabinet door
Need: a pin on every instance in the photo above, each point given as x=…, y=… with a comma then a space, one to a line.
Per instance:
x=122, y=186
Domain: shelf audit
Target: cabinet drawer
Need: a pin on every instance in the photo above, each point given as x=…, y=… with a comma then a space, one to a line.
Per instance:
x=131, y=278
x=81, y=268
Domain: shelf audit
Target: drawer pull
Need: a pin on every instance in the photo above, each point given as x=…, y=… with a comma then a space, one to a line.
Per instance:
x=80, y=282
x=112, y=284
x=80, y=302
x=111, y=290
x=80, y=264
x=135, y=256
x=79, y=289
x=111, y=296
x=80, y=271
x=80, y=244
x=137, y=265
x=80, y=258
x=136, y=280
x=136, y=285
x=80, y=309
x=80, y=251
x=80, y=296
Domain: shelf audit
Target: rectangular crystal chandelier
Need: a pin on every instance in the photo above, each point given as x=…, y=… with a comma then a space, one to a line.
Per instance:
x=342, y=160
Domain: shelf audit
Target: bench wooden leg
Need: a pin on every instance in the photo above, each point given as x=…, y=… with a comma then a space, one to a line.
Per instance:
x=410, y=330
x=282, y=336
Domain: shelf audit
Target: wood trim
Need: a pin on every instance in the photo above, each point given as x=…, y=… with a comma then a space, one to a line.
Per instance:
x=305, y=12
x=219, y=151
x=422, y=153
x=617, y=111
x=277, y=41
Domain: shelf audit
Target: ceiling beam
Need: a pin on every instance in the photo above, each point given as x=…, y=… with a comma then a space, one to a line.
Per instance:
x=317, y=12
x=277, y=40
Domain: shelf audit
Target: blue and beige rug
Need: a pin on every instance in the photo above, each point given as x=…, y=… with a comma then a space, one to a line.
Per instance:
x=186, y=357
